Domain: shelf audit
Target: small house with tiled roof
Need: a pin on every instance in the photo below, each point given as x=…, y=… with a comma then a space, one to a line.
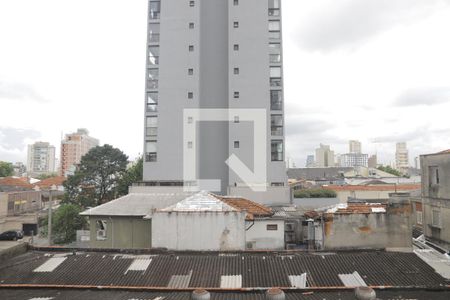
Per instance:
x=209, y=222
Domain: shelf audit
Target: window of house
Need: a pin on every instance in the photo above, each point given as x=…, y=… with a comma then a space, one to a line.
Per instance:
x=236, y=47
x=274, y=8
x=276, y=100
x=190, y=95
x=155, y=9
x=272, y=227
x=276, y=124
x=275, y=52
x=236, y=119
x=153, y=32
x=191, y=3
x=153, y=55
x=190, y=71
x=189, y=145
x=152, y=101
x=419, y=217
x=236, y=2
x=101, y=229
x=275, y=76
x=153, y=77
x=151, y=126
x=276, y=184
x=277, y=150
x=236, y=95
x=236, y=71
x=436, y=218
x=150, y=151
x=274, y=30
x=236, y=144
x=434, y=175
x=191, y=25
x=190, y=120
x=191, y=48
x=236, y=24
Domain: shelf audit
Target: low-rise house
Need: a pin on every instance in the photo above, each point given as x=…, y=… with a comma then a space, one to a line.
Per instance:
x=17, y=197
x=436, y=197
x=362, y=225
x=205, y=221
x=120, y=223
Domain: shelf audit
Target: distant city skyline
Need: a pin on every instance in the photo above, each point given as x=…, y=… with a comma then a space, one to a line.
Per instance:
x=385, y=83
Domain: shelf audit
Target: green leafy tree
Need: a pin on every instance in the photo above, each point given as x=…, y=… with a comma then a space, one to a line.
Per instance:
x=47, y=175
x=390, y=170
x=132, y=175
x=97, y=177
x=66, y=220
x=6, y=169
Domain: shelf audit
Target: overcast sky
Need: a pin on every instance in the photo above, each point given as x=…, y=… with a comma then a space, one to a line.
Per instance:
x=373, y=70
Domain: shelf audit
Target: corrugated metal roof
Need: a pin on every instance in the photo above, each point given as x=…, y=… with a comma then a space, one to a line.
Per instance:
x=352, y=280
x=139, y=264
x=136, y=204
x=50, y=265
x=80, y=294
x=202, y=201
x=257, y=269
x=298, y=281
x=231, y=281
x=180, y=281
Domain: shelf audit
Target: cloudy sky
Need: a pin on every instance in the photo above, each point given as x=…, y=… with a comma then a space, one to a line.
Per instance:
x=373, y=70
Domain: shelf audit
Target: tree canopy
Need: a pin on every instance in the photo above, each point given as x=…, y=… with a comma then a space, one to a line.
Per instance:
x=390, y=170
x=133, y=174
x=6, y=169
x=315, y=193
x=97, y=177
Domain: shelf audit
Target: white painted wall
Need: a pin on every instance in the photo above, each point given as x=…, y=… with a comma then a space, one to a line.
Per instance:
x=213, y=231
x=275, y=195
x=266, y=239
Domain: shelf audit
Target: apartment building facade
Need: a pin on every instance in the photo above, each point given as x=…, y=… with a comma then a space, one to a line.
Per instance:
x=401, y=156
x=436, y=197
x=213, y=55
x=41, y=159
x=73, y=147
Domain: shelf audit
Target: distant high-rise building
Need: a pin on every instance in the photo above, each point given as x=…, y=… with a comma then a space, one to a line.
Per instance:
x=353, y=160
x=213, y=55
x=373, y=161
x=417, y=162
x=324, y=157
x=401, y=156
x=73, y=147
x=354, y=146
x=41, y=159
x=310, y=161
x=19, y=169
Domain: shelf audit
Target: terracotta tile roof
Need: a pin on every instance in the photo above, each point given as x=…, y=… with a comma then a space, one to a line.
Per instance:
x=378, y=187
x=253, y=209
x=58, y=181
x=17, y=182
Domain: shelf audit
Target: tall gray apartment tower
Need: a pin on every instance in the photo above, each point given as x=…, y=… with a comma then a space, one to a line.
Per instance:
x=214, y=54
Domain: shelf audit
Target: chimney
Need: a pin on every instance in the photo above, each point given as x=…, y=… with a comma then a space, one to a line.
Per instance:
x=365, y=293
x=201, y=295
x=275, y=294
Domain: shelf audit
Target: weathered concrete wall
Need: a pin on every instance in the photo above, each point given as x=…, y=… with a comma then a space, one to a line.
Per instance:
x=436, y=197
x=199, y=230
x=343, y=195
x=275, y=195
x=122, y=233
x=3, y=206
x=391, y=230
x=11, y=249
x=261, y=238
